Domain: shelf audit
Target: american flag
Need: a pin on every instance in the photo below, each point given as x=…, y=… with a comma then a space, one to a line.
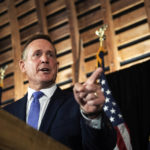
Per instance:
x=112, y=110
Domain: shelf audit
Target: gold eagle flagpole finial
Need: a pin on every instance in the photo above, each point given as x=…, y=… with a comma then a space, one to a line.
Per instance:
x=101, y=34
x=2, y=74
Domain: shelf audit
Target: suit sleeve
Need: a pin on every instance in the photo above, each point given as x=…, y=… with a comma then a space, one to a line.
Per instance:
x=98, y=139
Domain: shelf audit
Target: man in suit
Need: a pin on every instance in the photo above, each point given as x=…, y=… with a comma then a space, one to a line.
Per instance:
x=74, y=118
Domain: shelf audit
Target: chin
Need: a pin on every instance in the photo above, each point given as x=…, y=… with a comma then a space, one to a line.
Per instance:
x=47, y=81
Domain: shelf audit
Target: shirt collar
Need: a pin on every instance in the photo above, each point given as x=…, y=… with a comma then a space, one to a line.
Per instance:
x=48, y=92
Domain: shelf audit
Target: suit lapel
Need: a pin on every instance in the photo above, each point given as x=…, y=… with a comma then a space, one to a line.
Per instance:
x=21, y=108
x=56, y=101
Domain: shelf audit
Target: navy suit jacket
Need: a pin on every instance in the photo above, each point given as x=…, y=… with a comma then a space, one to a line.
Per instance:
x=63, y=122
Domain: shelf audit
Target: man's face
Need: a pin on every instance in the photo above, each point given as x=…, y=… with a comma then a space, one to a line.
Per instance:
x=40, y=64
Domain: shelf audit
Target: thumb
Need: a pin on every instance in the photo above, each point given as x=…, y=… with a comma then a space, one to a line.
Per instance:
x=95, y=75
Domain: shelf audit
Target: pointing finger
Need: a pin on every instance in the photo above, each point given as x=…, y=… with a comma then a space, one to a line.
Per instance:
x=95, y=75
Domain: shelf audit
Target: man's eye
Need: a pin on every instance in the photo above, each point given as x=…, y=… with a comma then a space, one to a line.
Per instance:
x=37, y=54
x=50, y=54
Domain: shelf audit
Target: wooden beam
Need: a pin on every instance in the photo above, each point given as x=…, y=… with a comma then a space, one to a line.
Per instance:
x=74, y=33
x=82, y=72
x=111, y=44
x=41, y=16
x=16, y=50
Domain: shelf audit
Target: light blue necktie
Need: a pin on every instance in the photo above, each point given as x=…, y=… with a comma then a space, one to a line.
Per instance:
x=34, y=111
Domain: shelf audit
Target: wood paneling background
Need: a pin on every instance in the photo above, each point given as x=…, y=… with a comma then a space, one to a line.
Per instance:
x=71, y=26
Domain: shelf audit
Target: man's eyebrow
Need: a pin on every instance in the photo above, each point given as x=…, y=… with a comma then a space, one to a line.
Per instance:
x=38, y=50
x=51, y=50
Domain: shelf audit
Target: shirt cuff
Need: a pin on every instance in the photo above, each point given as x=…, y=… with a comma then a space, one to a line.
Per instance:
x=93, y=123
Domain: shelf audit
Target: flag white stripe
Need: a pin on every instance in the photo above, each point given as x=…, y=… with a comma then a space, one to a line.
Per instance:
x=125, y=135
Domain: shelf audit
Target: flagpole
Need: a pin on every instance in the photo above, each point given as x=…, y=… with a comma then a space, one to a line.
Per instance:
x=110, y=107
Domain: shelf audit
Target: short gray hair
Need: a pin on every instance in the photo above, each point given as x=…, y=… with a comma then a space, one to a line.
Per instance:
x=35, y=37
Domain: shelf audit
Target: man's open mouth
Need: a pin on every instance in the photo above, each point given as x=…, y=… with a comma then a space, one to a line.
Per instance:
x=45, y=69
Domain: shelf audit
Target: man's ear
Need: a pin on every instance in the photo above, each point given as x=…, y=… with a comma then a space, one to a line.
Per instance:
x=22, y=65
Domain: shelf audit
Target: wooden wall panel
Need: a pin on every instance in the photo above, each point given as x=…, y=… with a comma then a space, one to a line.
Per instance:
x=5, y=31
x=126, y=44
x=59, y=33
x=87, y=6
x=7, y=95
x=3, y=18
x=89, y=35
x=10, y=69
x=64, y=75
x=8, y=82
x=90, y=19
x=130, y=18
x=65, y=60
x=121, y=5
x=63, y=46
x=5, y=43
x=136, y=50
x=133, y=34
x=5, y=57
x=57, y=19
x=55, y=6
x=3, y=7
x=27, y=20
x=25, y=7
x=28, y=32
x=91, y=50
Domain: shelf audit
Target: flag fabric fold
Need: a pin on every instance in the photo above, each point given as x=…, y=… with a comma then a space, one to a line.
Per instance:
x=112, y=109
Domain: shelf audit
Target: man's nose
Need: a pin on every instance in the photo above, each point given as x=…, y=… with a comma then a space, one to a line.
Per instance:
x=44, y=58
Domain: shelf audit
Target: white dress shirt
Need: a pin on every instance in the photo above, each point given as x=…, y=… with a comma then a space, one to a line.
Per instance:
x=44, y=101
